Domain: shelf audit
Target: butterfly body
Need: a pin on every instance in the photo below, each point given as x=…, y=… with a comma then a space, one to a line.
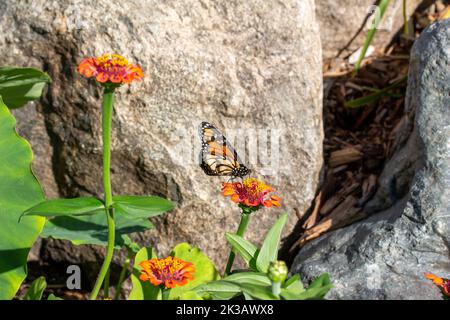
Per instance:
x=218, y=157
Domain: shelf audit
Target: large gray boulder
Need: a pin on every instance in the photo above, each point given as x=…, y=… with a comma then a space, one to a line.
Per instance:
x=384, y=257
x=344, y=24
x=250, y=65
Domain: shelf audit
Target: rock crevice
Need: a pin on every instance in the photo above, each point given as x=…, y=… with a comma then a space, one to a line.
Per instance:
x=384, y=256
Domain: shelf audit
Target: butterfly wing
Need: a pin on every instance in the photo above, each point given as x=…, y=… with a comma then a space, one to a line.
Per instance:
x=218, y=157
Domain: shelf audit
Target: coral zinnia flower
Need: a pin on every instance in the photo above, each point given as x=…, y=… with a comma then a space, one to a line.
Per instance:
x=169, y=271
x=442, y=283
x=251, y=193
x=111, y=68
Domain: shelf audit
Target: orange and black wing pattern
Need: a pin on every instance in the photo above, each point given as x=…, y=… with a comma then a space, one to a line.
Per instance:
x=217, y=156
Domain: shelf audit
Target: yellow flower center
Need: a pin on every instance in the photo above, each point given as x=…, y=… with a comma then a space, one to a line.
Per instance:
x=169, y=264
x=254, y=186
x=112, y=60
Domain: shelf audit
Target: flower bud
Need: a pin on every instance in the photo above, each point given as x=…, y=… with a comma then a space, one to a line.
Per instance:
x=277, y=271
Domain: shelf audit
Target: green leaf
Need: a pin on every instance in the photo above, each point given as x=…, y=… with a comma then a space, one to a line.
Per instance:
x=132, y=247
x=246, y=249
x=321, y=281
x=190, y=295
x=258, y=292
x=255, y=278
x=66, y=207
x=294, y=284
x=316, y=290
x=359, y=102
x=142, y=206
x=251, y=284
x=53, y=297
x=21, y=85
x=218, y=290
x=36, y=289
x=308, y=294
x=382, y=6
x=247, y=296
x=93, y=229
x=143, y=290
x=269, y=249
x=292, y=288
x=288, y=295
x=19, y=190
x=205, y=271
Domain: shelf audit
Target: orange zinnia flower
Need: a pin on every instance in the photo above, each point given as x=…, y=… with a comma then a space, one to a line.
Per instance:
x=169, y=271
x=251, y=193
x=110, y=68
x=442, y=283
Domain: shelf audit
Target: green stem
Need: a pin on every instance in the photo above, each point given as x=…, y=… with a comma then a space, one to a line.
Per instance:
x=245, y=219
x=405, y=18
x=107, y=107
x=164, y=293
x=106, y=285
x=276, y=288
x=122, y=277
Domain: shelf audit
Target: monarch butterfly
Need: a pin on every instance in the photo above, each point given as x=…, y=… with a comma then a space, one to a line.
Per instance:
x=217, y=156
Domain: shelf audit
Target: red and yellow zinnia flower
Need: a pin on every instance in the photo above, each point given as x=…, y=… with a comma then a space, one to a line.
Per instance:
x=169, y=271
x=111, y=68
x=442, y=283
x=251, y=193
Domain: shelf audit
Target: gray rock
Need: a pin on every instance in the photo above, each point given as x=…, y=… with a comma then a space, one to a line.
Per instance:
x=249, y=65
x=384, y=257
x=344, y=24
x=31, y=126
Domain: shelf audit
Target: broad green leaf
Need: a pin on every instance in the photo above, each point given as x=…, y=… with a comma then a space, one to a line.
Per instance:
x=205, y=271
x=53, y=297
x=269, y=249
x=190, y=295
x=19, y=190
x=255, y=278
x=246, y=249
x=66, y=207
x=218, y=290
x=143, y=290
x=92, y=229
x=382, y=6
x=36, y=289
x=247, y=296
x=258, y=292
x=21, y=85
x=142, y=206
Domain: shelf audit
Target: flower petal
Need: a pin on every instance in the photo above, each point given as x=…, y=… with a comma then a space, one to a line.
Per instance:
x=235, y=198
x=228, y=192
x=436, y=280
x=102, y=77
